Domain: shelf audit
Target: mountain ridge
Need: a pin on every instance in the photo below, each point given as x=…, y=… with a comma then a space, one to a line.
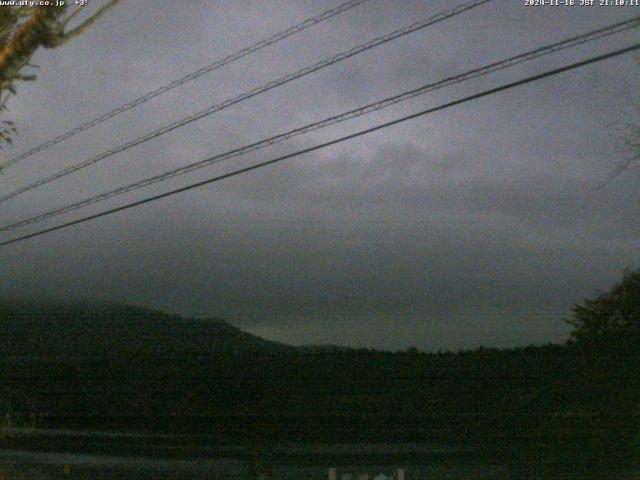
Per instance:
x=73, y=331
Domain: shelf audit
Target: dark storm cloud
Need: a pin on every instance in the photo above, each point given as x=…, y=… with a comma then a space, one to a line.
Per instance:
x=476, y=225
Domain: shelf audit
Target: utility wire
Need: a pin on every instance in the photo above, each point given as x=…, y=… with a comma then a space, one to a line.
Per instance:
x=252, y=93
x=345, y=138
x=309, y=22
x=372, y=107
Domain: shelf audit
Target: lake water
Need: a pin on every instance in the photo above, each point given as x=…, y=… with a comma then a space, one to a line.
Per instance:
x=283, y=462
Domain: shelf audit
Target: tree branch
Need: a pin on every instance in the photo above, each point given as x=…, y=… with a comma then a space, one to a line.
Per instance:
x=75, y=12
x=35, y=32
x=65, y=37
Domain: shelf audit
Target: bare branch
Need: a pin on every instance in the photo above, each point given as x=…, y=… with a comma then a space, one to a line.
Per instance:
x=65, y=37
x=75, y=12
x=617, y=171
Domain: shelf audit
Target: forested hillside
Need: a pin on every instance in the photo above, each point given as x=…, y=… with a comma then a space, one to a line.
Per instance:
x=117, y=367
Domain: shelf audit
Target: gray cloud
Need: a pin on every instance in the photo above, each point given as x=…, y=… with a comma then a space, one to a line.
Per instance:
x=476, y=225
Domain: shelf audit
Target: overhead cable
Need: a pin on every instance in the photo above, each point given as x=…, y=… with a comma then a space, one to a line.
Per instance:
x=250, y=94
x=372, y=107
x=187, y=78
x=345, y=138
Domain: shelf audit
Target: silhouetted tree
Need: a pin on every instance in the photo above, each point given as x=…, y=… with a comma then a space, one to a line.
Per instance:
x=607, y=337
x=612, y=316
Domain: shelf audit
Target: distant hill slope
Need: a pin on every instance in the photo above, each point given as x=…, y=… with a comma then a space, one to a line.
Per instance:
x=94, y=331
x=123, y=368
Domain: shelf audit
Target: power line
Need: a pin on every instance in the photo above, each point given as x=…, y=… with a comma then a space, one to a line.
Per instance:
x=345, y=138
x=493, y=67
x=252, y=93
x=309, y=22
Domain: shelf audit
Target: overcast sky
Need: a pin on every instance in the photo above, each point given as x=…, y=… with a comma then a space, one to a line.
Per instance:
x=477, y=225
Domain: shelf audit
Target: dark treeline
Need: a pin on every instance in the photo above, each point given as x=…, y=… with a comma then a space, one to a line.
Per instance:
x=153, y=372
x=406, y=396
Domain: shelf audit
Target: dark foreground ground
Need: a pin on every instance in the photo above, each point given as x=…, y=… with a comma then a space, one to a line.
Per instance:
x=147, y=458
